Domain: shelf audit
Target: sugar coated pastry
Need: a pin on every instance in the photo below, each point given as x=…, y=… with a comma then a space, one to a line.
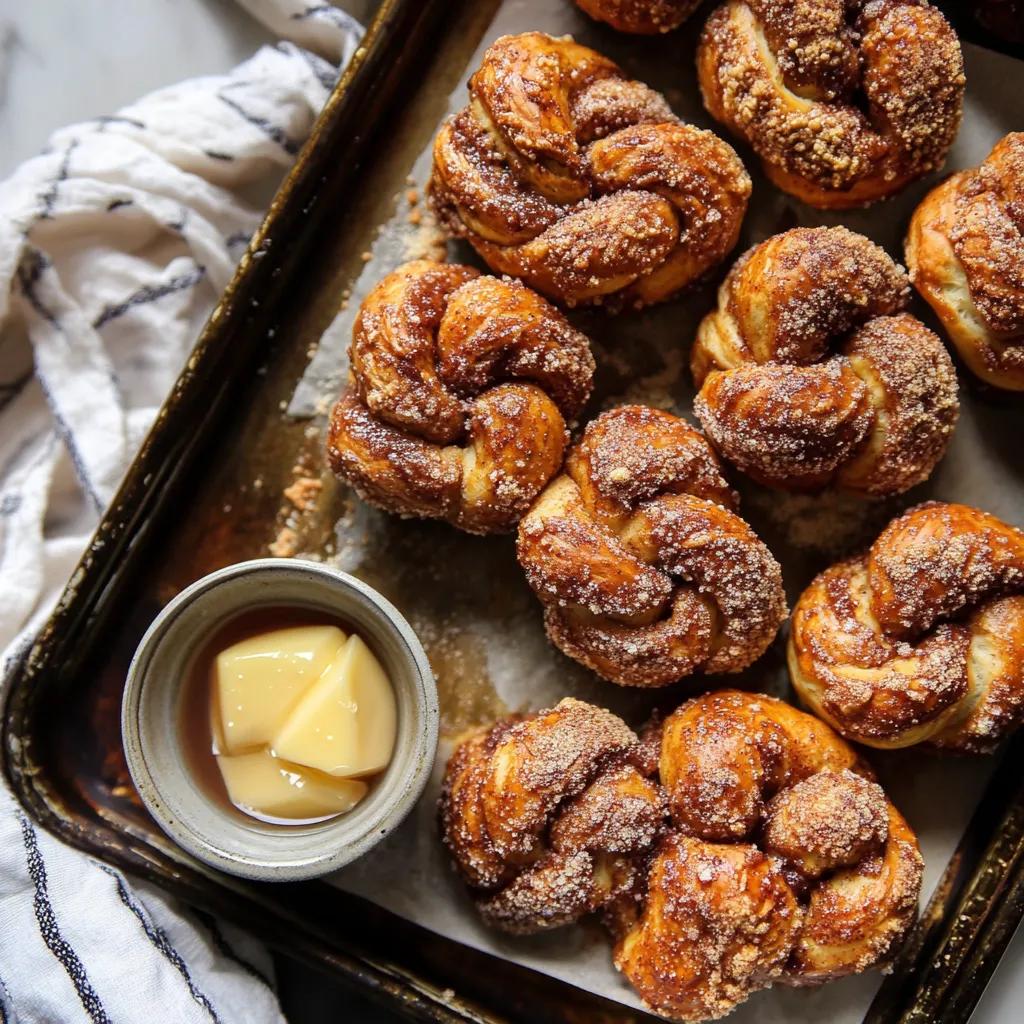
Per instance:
x=965, y=253
x=921, y=638
x=544, y=813
x=811, y=375
x=645, y=571
x=784, y=862
x=565, y=172
x=845, y=101
x=643, y=17
x=459, y=395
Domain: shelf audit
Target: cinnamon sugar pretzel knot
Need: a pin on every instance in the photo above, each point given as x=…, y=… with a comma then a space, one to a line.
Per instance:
x=544, y=815
x=643, y=17
x=645, y=572
x=785, y=862
x=921, y=639
x=965, y=252
x=810, y=375
x=457, y=402
x=566, y=173
x=790, y=77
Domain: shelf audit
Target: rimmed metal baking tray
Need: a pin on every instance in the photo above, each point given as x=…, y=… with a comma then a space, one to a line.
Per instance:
x=205, y=491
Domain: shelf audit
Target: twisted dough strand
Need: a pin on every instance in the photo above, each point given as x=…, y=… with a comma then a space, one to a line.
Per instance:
x=785, y=76
x=645, y=572
x=543, y=815
x=922, y=638
x=785, y=863
x=965, y=252
x=567, y=174
x=873, y=418
x=458, y=398
x=643, y=17
x=736, y=844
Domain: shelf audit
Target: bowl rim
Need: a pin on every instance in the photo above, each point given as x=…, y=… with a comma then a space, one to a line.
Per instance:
x=336, y=853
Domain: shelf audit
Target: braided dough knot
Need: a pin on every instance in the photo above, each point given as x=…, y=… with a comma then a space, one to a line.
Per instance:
x=786, y=863
x=965, y=251
x=565, y=173
x=645, y=572
x=791, y=76
x=811, y=375
x=643, y=17
x=921, y=638
x=460, y=390
x=543, y=815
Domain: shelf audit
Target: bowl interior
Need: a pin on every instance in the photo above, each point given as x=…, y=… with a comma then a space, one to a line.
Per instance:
x=182, y=803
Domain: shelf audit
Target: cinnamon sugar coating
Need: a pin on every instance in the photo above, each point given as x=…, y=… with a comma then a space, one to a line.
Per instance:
x=544, y=816
x=458, y=398
x=845, y=101
x=920, y=639
x=810, y=374
x=784, y=863
x=965, y=252
x=565, y=173
x=645, y=571
x=737, y=844
x=643, y=17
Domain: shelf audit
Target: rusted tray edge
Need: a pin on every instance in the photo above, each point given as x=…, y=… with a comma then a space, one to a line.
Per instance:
x=990, y=899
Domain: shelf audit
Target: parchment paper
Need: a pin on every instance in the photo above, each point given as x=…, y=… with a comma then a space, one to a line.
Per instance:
x=479, y=621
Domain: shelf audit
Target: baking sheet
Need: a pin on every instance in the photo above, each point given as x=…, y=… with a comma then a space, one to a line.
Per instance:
x=480, y=623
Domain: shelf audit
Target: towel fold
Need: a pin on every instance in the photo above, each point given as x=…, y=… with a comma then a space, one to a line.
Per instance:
x=115, y=244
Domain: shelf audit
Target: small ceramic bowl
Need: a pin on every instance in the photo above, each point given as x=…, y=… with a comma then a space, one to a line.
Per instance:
x=151, y=721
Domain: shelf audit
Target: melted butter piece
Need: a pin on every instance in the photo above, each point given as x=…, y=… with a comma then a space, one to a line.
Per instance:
x=345, y=724
x=216, y=729
x=259, y=680
x=266, y=786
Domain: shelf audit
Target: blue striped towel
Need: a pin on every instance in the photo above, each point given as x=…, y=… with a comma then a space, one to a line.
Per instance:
x=115, y=243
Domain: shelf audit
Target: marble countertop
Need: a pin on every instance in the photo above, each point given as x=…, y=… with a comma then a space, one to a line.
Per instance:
x=65, y=60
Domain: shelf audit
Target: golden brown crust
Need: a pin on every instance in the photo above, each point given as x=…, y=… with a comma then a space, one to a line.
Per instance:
x=922, y=637
x=859, y=916
x=544, y=816
x=645, y=572
x=643, y=17
x=749, y=747
x=564, y=172
x=737, y=844
x=460, y=390
x=786, y=863
x=965, y=252
x=719, y=922
x=784, y=76
x=872, y=417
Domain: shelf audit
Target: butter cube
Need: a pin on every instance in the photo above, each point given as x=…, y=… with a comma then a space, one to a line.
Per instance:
x=345, y=723
x=259, y=681
x=262, y=784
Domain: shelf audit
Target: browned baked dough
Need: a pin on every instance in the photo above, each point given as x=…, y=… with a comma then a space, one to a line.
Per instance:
x=965, y=253
x=568, y=174
x=811, y=375
x=457, y=402
x=644, y=17
x=921, y=639
x=645, y=573
x=544, y=815
x=790, y=78
x=737, y=844
x=786, y=862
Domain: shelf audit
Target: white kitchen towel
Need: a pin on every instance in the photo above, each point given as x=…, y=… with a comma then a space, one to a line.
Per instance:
x=115, y=243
